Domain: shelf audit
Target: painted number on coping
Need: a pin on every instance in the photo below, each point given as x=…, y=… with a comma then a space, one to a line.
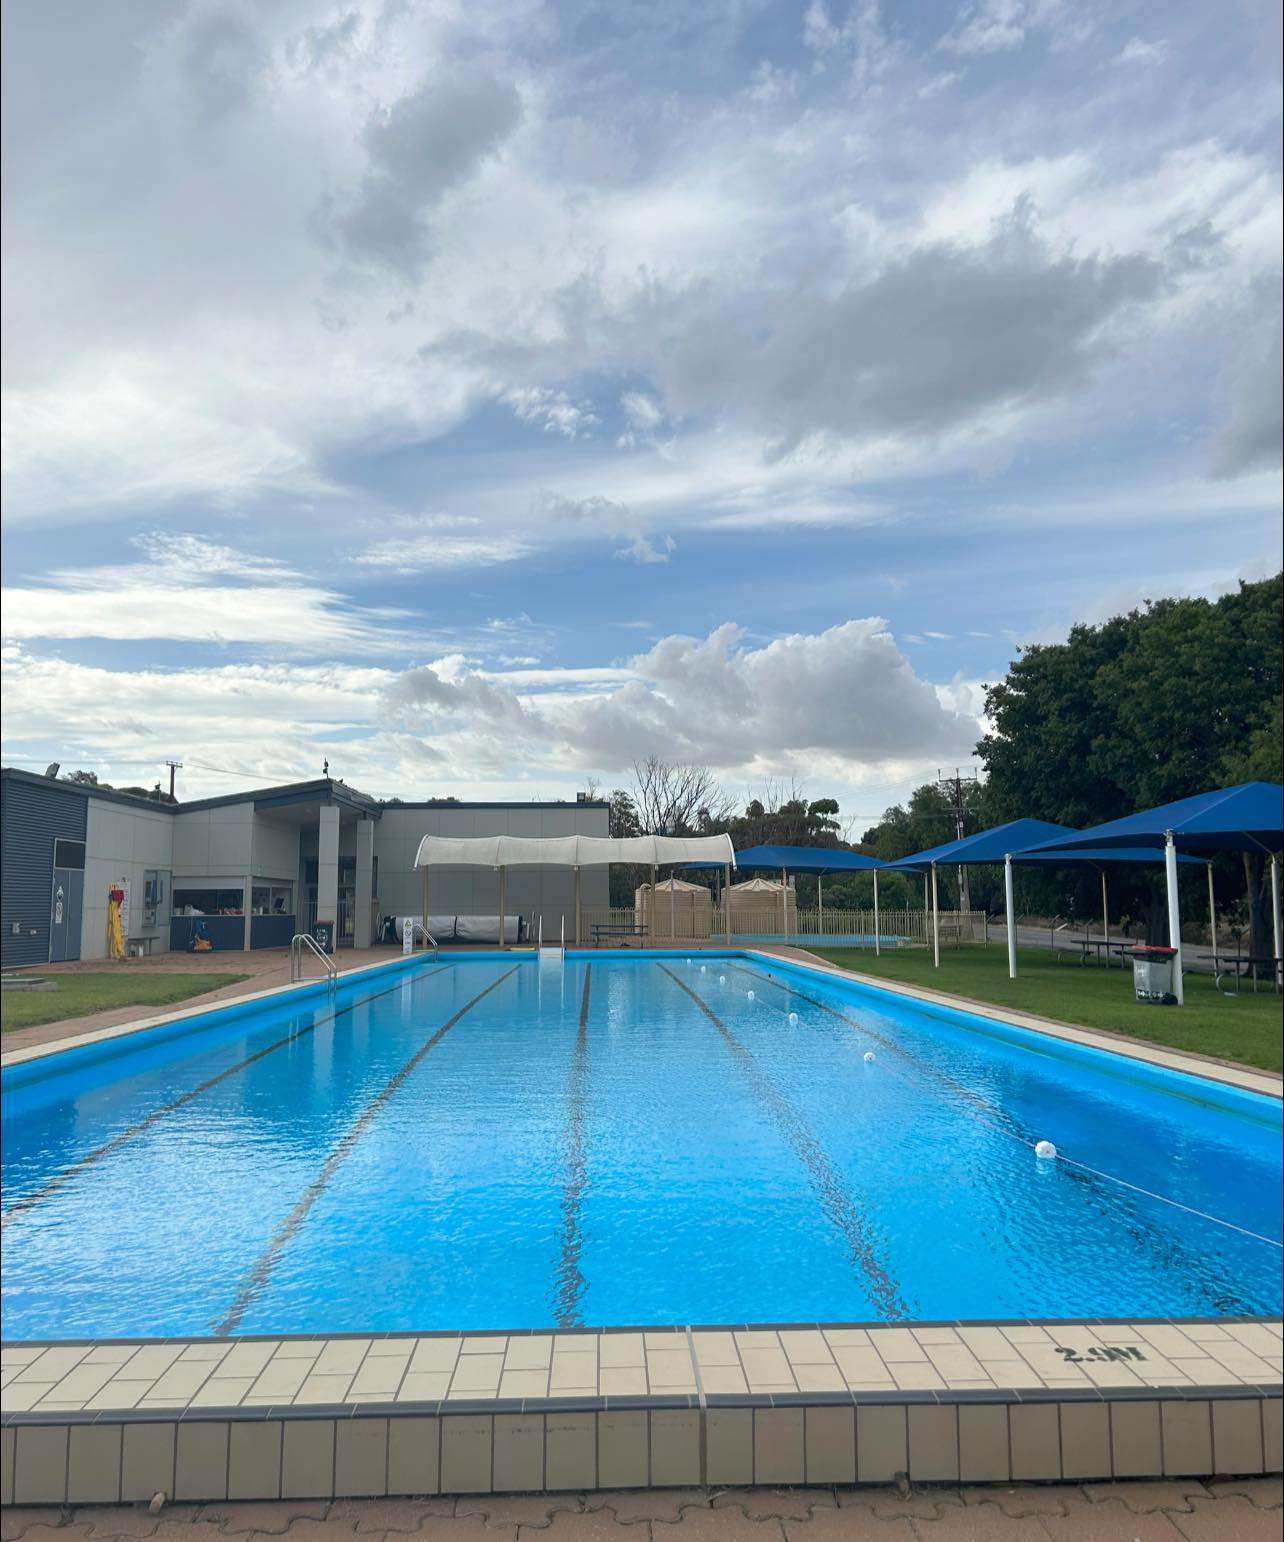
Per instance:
x=1110, y=1352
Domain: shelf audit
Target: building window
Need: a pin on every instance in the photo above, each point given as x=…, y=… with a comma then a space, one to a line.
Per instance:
x=209, y=902
x=155, y=883
x=69, y=854
x=272, y=899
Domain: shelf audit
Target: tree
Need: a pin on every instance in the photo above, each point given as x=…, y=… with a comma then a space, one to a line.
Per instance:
x=928, y=819
x=1144, y=709
x=87, y=779
x=152, y=794
x=673, y=798
x=1258, y=761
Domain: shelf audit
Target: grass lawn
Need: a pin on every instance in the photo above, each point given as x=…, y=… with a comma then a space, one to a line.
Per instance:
x=1245, y=1028
x=77, y=995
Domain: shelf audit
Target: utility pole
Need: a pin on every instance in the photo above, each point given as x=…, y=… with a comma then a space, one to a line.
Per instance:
x=174, y=765
x=953, y=788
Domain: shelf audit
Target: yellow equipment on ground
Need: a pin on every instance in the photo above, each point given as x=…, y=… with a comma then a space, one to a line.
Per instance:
x=115, y=934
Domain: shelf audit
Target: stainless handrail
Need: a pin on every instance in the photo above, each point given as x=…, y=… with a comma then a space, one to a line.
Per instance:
x=298, y=942
x=428, y=938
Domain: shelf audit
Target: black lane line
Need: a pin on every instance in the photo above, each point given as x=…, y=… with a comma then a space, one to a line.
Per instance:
x=836, y=1202
x=1165, y=1247
x=258, y=1275
x=52, y=1185
x=571, y=1283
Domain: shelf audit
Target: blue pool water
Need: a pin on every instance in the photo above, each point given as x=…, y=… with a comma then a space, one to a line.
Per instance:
x=488, y=1143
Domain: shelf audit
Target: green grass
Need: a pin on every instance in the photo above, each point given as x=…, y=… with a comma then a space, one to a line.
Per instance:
x=1244, y=1028
x=79, y=995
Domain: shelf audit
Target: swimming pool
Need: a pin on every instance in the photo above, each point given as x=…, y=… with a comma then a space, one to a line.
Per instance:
x=484, y=1142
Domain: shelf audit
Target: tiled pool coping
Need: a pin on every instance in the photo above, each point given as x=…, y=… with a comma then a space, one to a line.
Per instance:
x=392, y=1414
x=309, y=1417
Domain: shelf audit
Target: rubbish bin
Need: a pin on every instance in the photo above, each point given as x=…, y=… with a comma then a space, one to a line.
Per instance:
x=323, y=935
x=1152, y=975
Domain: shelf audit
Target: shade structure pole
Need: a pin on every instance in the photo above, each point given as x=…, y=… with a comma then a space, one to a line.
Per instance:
x=878, y=947
x=784, y=904
x=1212, y=915
x=726, y=901
x=503, y=901
x=1105, y=911
x=578, y=940
x=425, y=915
x=1009, y=906
x=936, y=924
x=651, y=917
x=820, y=903
x=673, y=906
x=1275, y=913
x=1174, y=912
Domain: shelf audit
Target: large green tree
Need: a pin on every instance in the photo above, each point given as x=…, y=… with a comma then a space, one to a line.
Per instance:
x=1165, y=702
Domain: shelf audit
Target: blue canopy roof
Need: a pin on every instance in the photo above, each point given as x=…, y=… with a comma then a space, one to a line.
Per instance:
x=994, y=845
x=806, y=859
x=985, y=846
x=1094, y=856
x=1249, y=817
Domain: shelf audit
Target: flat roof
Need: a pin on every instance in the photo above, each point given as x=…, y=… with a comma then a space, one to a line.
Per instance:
x=325, y=789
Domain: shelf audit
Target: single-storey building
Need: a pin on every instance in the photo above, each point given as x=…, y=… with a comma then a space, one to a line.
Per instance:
x=251, y=869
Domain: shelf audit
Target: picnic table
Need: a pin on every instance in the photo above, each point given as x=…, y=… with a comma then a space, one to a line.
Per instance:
x=1242, y=964
x=612, y=929
x=1102, y=946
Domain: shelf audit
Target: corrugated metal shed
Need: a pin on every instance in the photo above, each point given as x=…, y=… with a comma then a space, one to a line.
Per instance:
x=33, y=813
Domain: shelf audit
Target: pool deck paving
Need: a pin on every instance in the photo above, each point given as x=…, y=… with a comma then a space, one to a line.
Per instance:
x=1172, y=1510
x=390, y=1415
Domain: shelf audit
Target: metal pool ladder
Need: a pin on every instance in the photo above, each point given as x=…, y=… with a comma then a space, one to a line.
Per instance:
x=427, y=937
x=550, y=955
x=298, y=942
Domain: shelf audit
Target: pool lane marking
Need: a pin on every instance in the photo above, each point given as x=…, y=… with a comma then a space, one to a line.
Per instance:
x=1005, y=1121
x=836, y=1202
x=52, y=1185
x=259, y=1274
x=571, y=1283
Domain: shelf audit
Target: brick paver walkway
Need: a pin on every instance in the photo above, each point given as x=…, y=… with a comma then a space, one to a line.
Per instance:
x=1179, y=1510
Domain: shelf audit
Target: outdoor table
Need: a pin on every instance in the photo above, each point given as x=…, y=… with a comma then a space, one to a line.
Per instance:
x=1100, y=946
x=602, y=929
x=1242, y=964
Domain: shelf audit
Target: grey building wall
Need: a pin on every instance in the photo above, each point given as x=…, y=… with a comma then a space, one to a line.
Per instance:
x=215, y=842
x=122, y=842
x=275, y=849
x=532, y=891
x=33, y=814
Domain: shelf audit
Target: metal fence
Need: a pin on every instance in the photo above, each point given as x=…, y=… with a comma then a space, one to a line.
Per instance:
x=834, y=928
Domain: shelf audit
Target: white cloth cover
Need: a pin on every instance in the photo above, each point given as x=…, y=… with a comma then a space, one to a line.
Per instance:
x=486, y=928
x=467, y=928
x=571, y=850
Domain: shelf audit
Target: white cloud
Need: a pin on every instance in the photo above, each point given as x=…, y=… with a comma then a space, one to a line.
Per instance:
x=641, y=549
x=187, y=589
x=988, y=27
x=553, y=411
x=1138, y=51
x=433, y=550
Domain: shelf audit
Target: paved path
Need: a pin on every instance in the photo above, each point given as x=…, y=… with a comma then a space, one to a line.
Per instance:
x=1177, y=1510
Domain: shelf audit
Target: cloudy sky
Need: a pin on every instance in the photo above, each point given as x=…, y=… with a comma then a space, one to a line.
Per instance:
x=483, y=394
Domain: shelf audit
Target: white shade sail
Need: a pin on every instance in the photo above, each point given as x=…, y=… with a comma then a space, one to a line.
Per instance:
x=572, y=850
